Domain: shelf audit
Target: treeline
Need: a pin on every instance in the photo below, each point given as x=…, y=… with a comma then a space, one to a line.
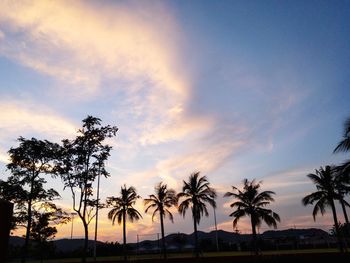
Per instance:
x=81, y=161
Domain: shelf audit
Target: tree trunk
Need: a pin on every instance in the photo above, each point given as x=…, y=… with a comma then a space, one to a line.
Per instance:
x=195, y=237
x=86, y=240
x=335, y=219
x=124, y=235
x=29, y=224
x=344, y=211
x=162, y=230
x=255, y=247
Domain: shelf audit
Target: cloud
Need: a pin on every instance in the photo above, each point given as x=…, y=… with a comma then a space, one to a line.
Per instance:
x=85, y=49
x=19, y=118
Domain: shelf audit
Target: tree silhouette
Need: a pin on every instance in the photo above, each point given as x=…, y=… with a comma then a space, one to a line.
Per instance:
x=250, y=202
x=342, y=188
x=123, y=209
x=344, y=144
x=79, y=164
x=325, y=195
x=196, y=192
x=45, y=219
x=28, y=162
x=343, y=171
x=161, y=201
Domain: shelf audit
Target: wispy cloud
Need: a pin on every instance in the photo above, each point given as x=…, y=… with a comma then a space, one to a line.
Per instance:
x=27, y=119
x=85, y=49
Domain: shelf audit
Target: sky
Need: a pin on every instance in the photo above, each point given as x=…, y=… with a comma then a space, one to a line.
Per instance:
x=233, y=89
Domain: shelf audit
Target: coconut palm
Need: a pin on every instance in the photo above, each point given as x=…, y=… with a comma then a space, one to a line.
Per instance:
x=196, y=192
x=123, y=209
x=250, y=202
x=161, y=201
x=343, y=177
x=344, y=144
x=325, y=195
x=342, y=188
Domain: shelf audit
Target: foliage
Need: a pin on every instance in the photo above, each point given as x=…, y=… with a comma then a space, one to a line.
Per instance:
x=161, y=201
x=25, y=187
x=80, y=162
x=326, y=184
x=123, y=209
x=196, y=192
x=250, y=202
x=344, y=144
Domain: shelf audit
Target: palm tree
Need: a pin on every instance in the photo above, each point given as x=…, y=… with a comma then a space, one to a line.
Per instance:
x=343, y=178
x=196, y=192
x=344, y=144
x=161, y=201
x=324, y=196
x=123, y=208
x=250, y=202
x=342, y=188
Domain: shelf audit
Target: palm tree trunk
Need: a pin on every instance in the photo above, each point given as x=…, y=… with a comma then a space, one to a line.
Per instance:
x=124, y=235
x=344, y=211
x=255, y=247
x=195, y=238
x=335, y=219
x=162, y=230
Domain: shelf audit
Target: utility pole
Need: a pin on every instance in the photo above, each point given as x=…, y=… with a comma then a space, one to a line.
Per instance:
x=98, y=200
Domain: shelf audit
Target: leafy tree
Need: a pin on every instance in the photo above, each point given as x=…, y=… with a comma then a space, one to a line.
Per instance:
x=196, y=192
x=161, y=202
x=123, y=209
x=45, y=219
x=250, y=202
x=80, y=162
x=31, y=159
x=325, y=195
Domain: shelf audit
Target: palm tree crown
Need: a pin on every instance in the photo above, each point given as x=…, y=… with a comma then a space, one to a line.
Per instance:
x=251, y=202
x=123, y=209
x=326, y=185
x=161, y=201
x=124, y=204
x=196, y=193
x=326, y=190
x=344, y=144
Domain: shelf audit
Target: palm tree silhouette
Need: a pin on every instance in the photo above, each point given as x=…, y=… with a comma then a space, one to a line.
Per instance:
x=342, y=188
x=325, y=195
x=196, y=192
x=161, y=201
x=344, y=144
x=251, y=202
x=123, y=208
x=343, y=171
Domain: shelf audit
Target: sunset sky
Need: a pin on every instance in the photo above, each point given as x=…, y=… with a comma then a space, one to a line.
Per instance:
x=234, y=89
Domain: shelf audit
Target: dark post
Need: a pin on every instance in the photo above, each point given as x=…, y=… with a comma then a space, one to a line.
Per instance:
x=6, y=210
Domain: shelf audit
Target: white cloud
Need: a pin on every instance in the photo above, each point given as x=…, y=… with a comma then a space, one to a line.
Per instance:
x=73, y=43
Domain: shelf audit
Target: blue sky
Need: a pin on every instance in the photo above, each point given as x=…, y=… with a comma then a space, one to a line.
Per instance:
x=234, y=89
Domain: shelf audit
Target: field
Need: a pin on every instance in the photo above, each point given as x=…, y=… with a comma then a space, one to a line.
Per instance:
x=299, y=256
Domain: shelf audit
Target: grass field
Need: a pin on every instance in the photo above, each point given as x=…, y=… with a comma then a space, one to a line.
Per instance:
x=189, y=255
